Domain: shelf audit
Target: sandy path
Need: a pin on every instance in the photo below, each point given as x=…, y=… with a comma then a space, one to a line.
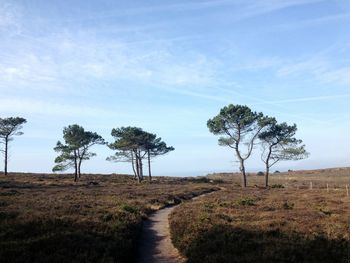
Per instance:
x=155, y=243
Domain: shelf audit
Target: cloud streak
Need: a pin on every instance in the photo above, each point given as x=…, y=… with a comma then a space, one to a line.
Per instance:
x=30, y=106
x=307, y=99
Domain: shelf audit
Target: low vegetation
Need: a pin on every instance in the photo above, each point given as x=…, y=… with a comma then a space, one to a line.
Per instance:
x=49, y=218
x=336, y=179
x=257, y=225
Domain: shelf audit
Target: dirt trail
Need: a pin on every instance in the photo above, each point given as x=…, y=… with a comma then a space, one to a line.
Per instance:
x=155, y=244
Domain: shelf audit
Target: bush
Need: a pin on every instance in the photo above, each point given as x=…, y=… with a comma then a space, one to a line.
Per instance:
x=288, y=206
x=260, y=173
x=247, y=201
x=98, y=219
x=277, y=186
x=271, y=231
x=223, y=243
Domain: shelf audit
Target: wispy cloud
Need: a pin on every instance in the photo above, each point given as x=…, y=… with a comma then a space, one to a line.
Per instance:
x=30, y=106
x=248, y=8
x=255, y=8
x=327, y=66
x=306, y=99
x=10, y=18
x=312, y=22
x=54, y=60
x=322, y=70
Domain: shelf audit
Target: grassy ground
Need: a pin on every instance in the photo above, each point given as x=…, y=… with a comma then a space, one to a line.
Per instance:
x=335, y=178
x=49, y=218
x=291, y=224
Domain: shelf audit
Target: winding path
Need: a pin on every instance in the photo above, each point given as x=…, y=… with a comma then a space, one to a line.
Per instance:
x=155, y=243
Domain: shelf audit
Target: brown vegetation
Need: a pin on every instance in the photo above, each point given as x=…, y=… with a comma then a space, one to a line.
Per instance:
x=288, y=223
x=48, y=218
x=335, y=178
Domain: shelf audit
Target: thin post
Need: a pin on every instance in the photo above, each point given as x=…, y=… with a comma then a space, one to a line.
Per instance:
x=327, y=188
x=310, y=185
x=347, y=190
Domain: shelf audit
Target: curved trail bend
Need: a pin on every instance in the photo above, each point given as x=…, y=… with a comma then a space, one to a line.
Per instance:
x=155, y=244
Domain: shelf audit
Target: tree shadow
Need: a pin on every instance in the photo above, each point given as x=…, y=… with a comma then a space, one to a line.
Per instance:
x=66, y=241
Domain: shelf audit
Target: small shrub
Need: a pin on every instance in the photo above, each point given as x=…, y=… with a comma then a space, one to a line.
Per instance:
x=260, y=173
x=247, y=201
x=277, y=186
x=107, y=217
x=288, y=206
x=218, y=181
x=9, y=193
x=8, y=215
x=325, y=211
x=201, y=179
x=3, y=203
x=129, y=208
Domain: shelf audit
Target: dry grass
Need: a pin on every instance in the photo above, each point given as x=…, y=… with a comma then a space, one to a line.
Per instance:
x=291, y=224
x=49, y=218
x=335, y=178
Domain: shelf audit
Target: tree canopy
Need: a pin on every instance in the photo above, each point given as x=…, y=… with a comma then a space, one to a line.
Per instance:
x=242, y=129
x=75, y=149
x=279, y=144
x=239, y=128
x=9, y=127
x=132, y=144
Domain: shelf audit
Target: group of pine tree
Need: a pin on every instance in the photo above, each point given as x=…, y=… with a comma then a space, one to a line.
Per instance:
x=242, y=129
x=239, y=128
x=131, y=144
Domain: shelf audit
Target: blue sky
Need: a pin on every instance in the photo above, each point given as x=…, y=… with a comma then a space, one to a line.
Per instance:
x=169, y=66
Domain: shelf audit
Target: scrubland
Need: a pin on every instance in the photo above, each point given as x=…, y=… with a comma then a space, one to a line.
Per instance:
x=49, y=218
x=290, y=222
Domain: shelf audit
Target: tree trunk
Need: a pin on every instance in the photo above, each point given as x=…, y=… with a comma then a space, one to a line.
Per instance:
x=137, y=168
x=267, y=172
x=133, y=165
x=6, y=154
x=242, y=168
x=79, y=166
x=268, y=167
x=149, y=166
x=79, y=162
x=141, y=169
x=75, y=167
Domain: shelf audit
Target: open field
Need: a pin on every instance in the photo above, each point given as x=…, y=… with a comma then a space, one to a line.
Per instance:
x=290, y=224
x=334, y=177
x=49, y=218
